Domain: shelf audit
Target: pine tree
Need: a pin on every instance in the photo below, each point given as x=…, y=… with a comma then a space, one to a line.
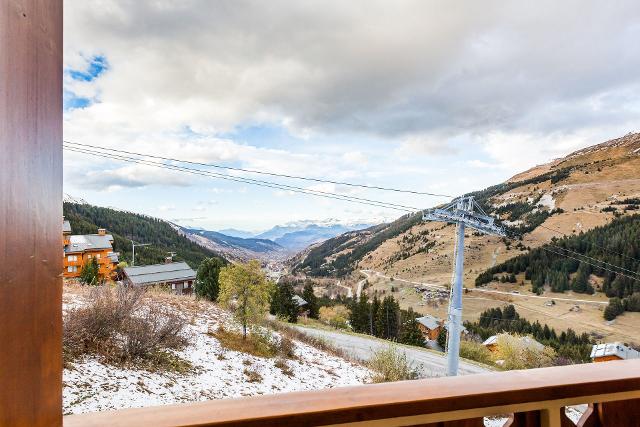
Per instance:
x=283, y=304
x=90, y=273
x=410, y=333
x=207, y=285
x=312, y=301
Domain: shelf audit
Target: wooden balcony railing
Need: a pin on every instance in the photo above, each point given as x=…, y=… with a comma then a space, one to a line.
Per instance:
x=534, y=397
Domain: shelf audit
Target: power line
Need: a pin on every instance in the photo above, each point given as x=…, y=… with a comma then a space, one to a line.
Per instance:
x=594, y=244
x=594, y=259
x=318, y=193
x=586, y=262
x=281, y=175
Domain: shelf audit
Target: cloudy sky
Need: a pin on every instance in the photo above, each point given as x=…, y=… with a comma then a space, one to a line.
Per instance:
x=435, y=96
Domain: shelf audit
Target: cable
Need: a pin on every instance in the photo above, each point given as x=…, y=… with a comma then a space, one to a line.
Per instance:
x=594, y=244
x=210, y=174
x=595, y=259
x=246, y=180
x=586, y=262
x=213, y=165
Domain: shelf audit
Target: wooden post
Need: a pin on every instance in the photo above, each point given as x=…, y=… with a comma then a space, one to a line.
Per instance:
x=30, y=212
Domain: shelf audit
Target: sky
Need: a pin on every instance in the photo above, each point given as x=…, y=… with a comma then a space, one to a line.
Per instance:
x=435, y=96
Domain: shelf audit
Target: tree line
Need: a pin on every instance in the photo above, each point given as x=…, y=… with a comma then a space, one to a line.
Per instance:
x=568, y=344
x=616, y=243
x=127, y=226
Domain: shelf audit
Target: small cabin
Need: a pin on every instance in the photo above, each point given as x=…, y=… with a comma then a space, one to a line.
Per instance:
x=430, y=326
x=177, y=276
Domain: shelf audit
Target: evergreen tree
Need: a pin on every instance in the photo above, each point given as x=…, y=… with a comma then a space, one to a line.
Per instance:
x=581, y=283
x=90, y=273
x=410, y=333
x=442, y=338
x=387, y=321
x=282, y=303
x=373, y=313
x=311, y=299
x=207, y=285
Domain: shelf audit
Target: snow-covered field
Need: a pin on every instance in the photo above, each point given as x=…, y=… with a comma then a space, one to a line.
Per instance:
x=218, y=373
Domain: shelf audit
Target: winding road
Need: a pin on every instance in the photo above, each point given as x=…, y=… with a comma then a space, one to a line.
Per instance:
x=428, y=363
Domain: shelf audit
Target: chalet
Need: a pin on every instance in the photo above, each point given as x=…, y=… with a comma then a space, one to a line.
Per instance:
x=176, y=275
x=613, y=351
x=303, y=308
x=492, y=343
x=80, y=249
x=430, y=326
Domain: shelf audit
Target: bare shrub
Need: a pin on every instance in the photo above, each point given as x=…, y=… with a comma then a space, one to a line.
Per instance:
x=253, y=376
x=282, y=364
x=258, y=343
x=286, y=347
x=390, y=364
x=118, y=325
x=475, y=351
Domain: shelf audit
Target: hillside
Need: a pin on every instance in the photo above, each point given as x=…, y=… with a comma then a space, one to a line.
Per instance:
x=125, y=226
x=576, y=193
x=204, y=368
x=237, y=248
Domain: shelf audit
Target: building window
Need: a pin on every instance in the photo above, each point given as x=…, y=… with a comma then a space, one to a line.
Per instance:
x=72, y=258
x=98, y=256
x=173, y=286
x=72, y=269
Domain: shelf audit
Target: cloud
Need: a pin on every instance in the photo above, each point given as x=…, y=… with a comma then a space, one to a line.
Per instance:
x=389, y=69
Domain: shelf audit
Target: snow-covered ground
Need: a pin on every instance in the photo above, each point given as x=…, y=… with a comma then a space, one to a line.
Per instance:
x=92, y=386
x=548, y=201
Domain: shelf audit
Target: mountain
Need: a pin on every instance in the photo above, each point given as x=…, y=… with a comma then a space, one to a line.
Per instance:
x=237, y=248
x=232, y=232
x=298, y=235
x=124, y=226
x=586, y=189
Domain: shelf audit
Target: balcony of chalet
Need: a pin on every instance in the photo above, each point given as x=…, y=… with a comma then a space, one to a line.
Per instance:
x=31, y=299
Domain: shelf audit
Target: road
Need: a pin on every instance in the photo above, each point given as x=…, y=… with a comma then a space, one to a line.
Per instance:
x=349, y=290
x=488, y=291
x=430, y=364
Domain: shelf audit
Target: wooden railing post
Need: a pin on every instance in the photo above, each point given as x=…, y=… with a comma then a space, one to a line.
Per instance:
x=30, y=212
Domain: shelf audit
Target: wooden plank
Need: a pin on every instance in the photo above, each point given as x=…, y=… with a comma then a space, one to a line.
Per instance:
x=384, y=401
x=30, y=212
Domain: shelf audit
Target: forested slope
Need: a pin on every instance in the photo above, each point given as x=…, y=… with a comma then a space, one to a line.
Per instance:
x=127, y=226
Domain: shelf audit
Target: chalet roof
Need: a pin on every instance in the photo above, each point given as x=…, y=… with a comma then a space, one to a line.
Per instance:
x=299, y=300
x=527, y=341
x=429, y=322
x=159, y=273
x=87, y=242
x=614, y=349
x=66, y=226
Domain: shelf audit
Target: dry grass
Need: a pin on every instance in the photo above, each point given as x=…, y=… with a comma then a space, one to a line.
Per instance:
x=121, y=327
x=258, y=343
x=252, y=376
x=391, y=364
x=476, y=351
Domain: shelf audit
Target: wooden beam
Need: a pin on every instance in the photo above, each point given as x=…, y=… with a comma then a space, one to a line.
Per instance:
x=30, y=212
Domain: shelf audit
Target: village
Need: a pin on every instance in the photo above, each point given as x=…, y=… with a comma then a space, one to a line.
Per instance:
x=82, y=251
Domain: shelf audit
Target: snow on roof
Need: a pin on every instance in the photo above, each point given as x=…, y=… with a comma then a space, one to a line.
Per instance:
x=429, y=322
x=614, y=349
x=66, y=226
x=527, y=341
x=299, y=300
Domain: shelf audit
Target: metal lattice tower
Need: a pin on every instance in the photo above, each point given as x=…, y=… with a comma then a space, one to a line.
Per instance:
x=465, y=212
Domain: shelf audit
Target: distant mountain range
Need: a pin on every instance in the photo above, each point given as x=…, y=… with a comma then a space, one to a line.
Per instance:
x=295, y=236
x=277, y=243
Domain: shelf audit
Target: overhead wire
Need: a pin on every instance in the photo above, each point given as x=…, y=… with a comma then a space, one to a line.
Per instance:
x=281, y=175
x=251, y=181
